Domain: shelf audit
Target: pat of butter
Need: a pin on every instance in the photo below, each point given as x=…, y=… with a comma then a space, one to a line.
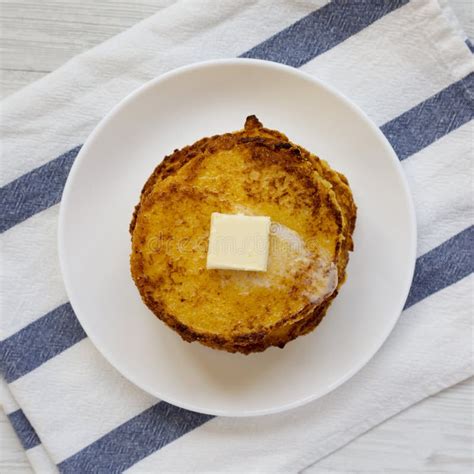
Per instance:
x=238, y=242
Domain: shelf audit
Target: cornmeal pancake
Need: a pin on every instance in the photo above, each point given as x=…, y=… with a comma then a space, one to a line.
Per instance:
x=255, y=172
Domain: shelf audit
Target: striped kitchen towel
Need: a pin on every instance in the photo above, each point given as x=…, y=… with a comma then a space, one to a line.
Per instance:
x=406, y=64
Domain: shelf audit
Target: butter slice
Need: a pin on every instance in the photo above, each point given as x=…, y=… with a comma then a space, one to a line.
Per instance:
x=238, y=242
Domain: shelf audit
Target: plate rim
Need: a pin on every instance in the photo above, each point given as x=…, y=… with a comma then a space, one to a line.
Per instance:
x=143, y=89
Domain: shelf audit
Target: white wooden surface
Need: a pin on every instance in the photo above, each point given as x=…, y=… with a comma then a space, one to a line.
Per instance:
x=36, y=37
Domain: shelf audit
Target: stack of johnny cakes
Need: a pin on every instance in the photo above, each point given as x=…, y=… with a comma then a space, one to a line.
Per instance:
x=241, y=241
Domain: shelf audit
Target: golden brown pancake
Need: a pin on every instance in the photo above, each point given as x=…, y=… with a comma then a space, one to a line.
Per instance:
x=256, y=172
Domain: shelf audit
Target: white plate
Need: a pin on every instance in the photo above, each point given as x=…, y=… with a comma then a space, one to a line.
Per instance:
x=175, y=110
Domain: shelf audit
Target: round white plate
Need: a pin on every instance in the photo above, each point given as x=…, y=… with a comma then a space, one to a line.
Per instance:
x=175, y=110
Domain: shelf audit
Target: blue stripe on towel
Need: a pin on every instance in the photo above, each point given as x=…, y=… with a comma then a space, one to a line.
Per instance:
x=38, y=342
x=135, y=439
x=321, y=30
x=470, y=45
x=25, y=432
x=35, y=191
x=432, y=119
x=441, y=267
